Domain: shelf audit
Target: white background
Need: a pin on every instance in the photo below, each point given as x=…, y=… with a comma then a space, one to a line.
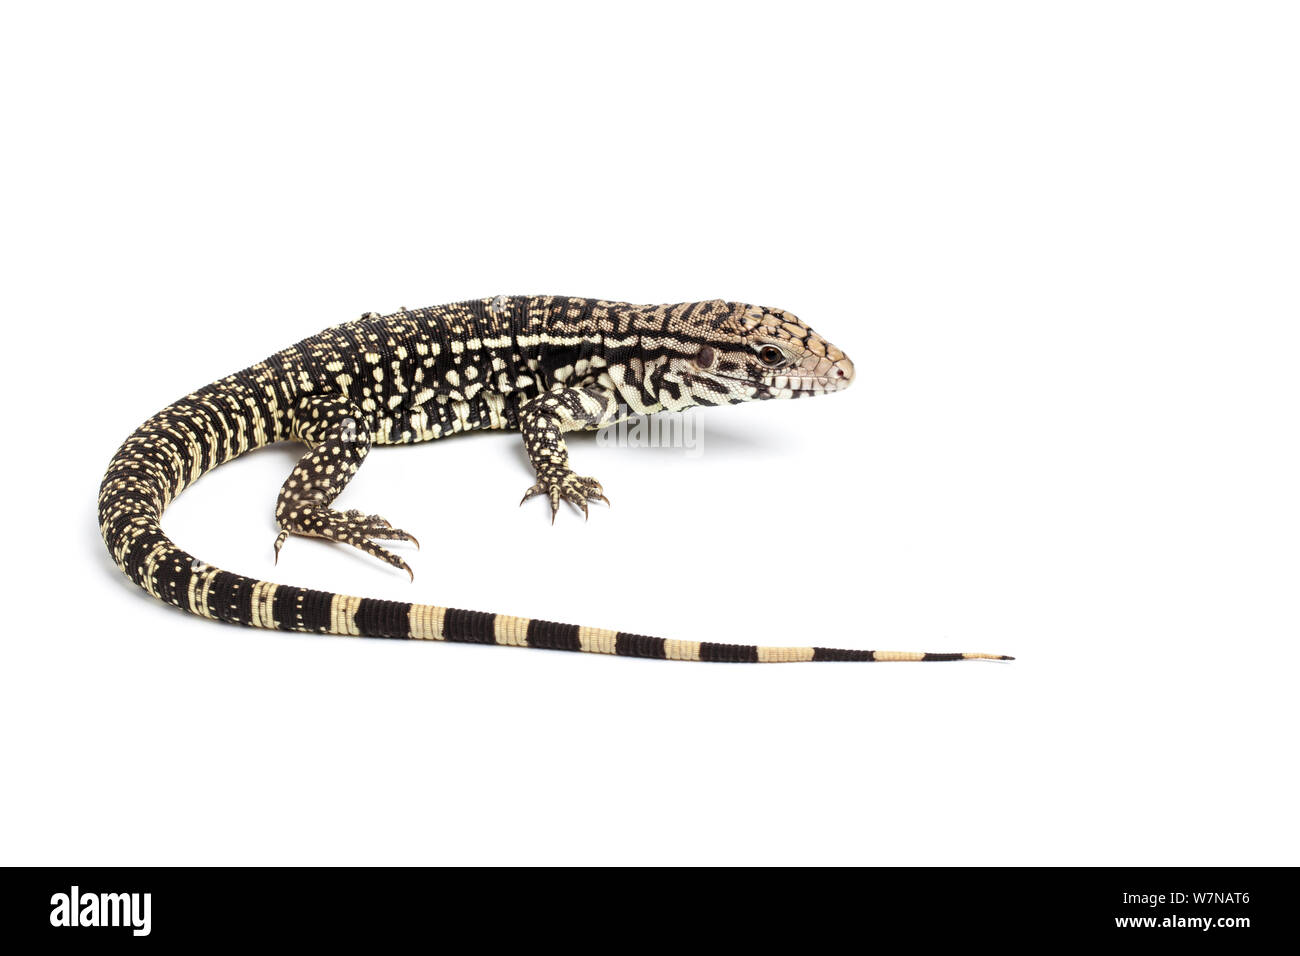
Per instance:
x=1059, y=240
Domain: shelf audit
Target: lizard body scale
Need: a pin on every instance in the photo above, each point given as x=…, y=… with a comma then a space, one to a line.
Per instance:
x=542, y=365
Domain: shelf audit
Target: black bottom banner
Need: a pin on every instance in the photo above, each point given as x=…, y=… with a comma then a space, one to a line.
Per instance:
x=587, y=909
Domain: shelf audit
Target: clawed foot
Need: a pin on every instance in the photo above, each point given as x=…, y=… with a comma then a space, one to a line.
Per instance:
x=350, y=527
x=559, y=484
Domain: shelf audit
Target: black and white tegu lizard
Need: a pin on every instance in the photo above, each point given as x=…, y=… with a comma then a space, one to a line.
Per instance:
x=544, y=365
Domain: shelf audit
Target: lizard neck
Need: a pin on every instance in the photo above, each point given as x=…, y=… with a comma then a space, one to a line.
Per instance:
x=658, y=370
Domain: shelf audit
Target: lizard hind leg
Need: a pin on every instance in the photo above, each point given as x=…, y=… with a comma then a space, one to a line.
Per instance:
x=340, y=440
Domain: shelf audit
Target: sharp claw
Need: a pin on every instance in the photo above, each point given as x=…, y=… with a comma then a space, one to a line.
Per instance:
x=395, y=534
x=415, y=541
x=579, y=503
x=600, y=498
x=397, y=562
x=385, y=556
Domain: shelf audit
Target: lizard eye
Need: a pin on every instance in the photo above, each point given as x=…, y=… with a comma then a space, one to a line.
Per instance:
x=771, y=356
x=704, y=357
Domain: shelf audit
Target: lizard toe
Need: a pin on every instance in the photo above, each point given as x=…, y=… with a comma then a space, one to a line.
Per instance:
x=352, y=527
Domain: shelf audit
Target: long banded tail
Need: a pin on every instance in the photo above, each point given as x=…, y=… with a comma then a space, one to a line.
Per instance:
x=211, y=592
x=366, y=617
x=177, y=579
x=218, y=423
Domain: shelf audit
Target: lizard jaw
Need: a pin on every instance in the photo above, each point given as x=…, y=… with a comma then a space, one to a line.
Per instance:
x=836, y=377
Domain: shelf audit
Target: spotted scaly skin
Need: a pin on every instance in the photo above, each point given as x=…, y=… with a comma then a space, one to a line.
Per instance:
x=542, y=365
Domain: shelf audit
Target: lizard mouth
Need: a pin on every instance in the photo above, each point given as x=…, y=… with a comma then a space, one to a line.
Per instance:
x=795, y=384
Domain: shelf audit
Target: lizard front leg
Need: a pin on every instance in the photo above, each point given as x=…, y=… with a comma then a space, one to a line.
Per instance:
x=340, y=440
x=543, y=421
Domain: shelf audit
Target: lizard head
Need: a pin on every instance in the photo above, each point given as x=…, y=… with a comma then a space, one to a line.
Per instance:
x=724, y=353
x=757, y=353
